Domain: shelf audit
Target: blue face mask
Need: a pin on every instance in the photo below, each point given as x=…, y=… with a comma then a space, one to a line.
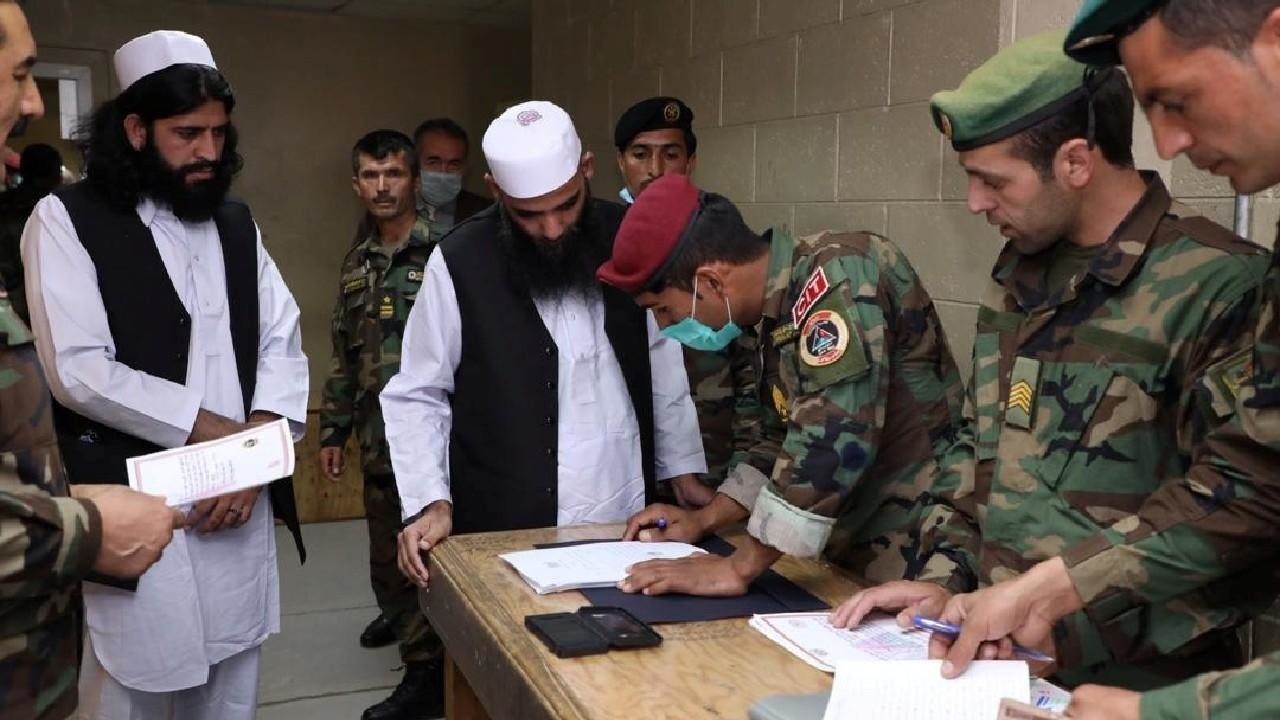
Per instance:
x=440, y=188
x=694, y=334
x=625, y=194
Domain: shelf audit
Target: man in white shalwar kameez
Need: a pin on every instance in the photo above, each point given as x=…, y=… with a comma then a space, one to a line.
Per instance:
x=161, y=321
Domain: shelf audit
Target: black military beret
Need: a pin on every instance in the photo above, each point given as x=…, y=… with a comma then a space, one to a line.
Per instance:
x=656, y=113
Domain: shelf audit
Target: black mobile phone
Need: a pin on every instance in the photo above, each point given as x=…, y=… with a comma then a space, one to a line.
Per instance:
x=566, y=634
x=621, y=628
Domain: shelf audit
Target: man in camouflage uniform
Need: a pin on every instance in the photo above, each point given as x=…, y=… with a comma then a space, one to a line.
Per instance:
x=858, y=383
x=49, y=541
x=654, y=138
x=380, y=279
x=1200, y=70
x=1110, y=343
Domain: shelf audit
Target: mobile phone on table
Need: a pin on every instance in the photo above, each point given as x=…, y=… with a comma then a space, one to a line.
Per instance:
x=566, y=635
x=621, y=628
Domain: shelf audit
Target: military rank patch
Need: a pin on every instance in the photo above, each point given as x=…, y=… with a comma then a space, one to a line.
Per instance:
x=783, y=335
x=1024, y=383
x=414, y=276
x=814, y=289
x=355, y=284
x=780, y=403
x=387, y=309
x=824, y=339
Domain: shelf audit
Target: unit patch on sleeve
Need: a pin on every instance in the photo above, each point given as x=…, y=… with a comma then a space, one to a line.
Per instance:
x=830, y=349
x=414, y=276
x=814, y=289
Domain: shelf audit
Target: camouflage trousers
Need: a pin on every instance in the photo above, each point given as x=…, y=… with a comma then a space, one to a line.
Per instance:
x=397, y=597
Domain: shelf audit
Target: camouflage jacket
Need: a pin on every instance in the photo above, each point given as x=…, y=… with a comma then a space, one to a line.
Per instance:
x=376, y=292
x=1087, y=411
x=1248, y=693
x=49, y=541
x=861, y=392
x=723, y=386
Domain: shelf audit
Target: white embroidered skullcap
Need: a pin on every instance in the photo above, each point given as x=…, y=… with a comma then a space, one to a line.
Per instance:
x=156, y=51
x=532, y=149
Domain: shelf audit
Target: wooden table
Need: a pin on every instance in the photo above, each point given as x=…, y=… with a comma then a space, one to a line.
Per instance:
x=498, y=669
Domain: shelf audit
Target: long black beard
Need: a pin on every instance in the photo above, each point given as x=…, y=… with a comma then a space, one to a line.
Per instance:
x=167, y=186
x=555, y=270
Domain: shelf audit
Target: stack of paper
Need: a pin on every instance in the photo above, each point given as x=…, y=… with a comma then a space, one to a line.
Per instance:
x=590, y=565
x=916, y=690
x=810, y=637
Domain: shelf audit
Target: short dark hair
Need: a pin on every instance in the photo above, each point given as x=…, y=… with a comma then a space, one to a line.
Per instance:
x=381, y=143
x=1112, y=131
x=442, y=125
x=1228, y=24
x=717, y=233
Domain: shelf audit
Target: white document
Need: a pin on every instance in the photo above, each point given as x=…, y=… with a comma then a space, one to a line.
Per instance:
x=916, y=690
x=811, y=638
x=589, y=565
x=188, y=474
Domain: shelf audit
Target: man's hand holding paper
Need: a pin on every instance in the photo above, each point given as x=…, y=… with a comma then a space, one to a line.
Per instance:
x=216, y=470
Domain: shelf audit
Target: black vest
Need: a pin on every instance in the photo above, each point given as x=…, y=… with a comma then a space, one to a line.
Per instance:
x=503, y=447
x=152, y=330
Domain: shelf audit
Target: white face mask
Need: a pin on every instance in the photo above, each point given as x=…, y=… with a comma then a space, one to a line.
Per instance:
x=439, y=188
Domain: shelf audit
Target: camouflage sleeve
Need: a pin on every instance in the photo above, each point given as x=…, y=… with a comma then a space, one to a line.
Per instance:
x=747, y=415
x=46, y=542
x=761, y=425
x=863, y=328
x=1248, y=693
x=950, y=536
x=1220, y=518
x=338, y=398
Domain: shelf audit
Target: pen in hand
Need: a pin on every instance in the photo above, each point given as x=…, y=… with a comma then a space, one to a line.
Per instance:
x=937, y=626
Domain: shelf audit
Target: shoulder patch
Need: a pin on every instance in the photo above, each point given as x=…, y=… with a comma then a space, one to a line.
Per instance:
x=814, y=289
x=414, y=276
x=824, y=339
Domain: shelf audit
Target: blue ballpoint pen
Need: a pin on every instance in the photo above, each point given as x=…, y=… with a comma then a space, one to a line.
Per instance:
x=937, y=626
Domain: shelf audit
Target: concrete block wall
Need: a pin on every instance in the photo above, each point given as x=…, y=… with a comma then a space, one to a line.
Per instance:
x=812, y=115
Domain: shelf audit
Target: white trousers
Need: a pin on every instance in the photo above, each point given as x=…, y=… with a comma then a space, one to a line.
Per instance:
x=231, y=693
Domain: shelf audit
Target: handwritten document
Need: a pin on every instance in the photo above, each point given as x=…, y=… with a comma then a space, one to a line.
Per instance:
x=916, y=690
x=811, y=638
x=191, y=473
x=573, y=567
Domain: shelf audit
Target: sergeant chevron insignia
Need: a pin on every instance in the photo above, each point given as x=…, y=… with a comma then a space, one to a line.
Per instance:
x=1020, y=409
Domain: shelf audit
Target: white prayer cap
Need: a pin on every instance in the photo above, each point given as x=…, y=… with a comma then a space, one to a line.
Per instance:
x=532, y=149
x=156, y=51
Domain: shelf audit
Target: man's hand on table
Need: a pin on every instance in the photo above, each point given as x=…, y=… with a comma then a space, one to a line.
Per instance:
x=1097, y=702
x=906, y=597
x=684, y=525
x=1022, y=610
x=702, y=574
x=681, y=525
x=419, y=537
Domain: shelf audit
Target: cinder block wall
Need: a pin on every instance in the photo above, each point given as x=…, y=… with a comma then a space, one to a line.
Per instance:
x=812, y=115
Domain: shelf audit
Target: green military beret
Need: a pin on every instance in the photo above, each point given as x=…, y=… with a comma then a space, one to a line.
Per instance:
x=1018, y=87
x=1095, y=36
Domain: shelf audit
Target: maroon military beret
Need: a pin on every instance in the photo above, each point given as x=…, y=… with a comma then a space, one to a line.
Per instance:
x=650, y=233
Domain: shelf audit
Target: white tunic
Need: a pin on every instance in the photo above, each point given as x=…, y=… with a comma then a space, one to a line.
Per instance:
x=210, y=596
x=600, y=474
